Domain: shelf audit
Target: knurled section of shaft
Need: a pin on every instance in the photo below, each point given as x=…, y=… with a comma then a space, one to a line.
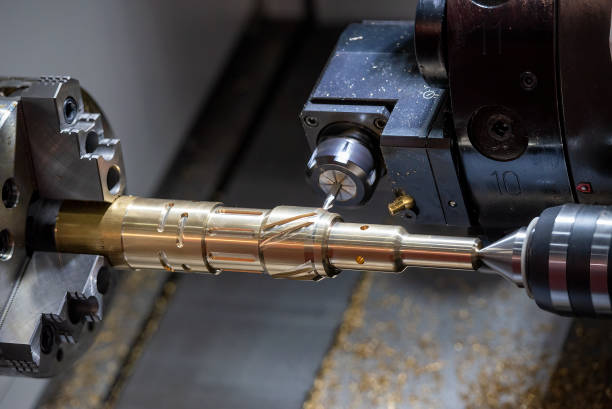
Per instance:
x=294, y=243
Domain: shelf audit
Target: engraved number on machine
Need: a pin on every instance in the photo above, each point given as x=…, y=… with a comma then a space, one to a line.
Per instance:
x=508, y=183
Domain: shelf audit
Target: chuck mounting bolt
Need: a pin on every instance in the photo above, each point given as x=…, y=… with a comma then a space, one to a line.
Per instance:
x=81, y=307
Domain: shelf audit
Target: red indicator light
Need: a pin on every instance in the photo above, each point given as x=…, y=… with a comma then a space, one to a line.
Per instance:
x=584, y=187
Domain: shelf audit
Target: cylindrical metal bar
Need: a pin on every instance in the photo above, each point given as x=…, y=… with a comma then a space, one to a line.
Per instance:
x=372, y=247
x=440, y=251
x=562, y=255
x=232, y=239
x=92, y=228
x=286, y=242
x=390, y=248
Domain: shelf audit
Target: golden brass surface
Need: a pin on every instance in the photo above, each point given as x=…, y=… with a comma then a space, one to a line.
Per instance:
x=299, y=243
x=401, y=203
x=92, y=228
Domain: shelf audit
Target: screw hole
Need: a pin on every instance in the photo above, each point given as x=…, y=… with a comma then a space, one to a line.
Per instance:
x=60, y=355
x=71, y=108
x=79, y=308
x=528, y=81
x=311, y=121
x=91, y=142
x=380, y=123
x=7, y=245
x=113, y=180
x=501, y=130
x=364, y=227
x=47, y=339
x=103, y=280
x=10, y=193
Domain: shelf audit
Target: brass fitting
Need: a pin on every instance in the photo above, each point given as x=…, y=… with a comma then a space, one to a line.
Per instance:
x=299, y=243
x=401, y=203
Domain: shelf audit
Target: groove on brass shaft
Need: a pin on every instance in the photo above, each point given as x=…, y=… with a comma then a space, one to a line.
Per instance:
x=181, y=230
x=283, y=233
x=288, y=220
x=163, y=260
x=163, y=216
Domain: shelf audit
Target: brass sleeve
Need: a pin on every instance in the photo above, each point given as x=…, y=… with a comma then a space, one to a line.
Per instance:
x=93, y=228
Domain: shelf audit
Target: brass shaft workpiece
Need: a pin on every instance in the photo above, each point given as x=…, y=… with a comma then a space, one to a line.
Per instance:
x=286, y=242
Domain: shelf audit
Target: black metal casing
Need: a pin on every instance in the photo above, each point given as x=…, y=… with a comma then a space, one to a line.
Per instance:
x=372, y=75
x=527, y=129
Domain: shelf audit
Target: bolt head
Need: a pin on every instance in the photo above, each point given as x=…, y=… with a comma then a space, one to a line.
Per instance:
x=311, y=121
x=529, y=81
x=380, y=123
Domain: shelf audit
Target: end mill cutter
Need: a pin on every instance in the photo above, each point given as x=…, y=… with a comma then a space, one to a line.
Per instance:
x=562, y=258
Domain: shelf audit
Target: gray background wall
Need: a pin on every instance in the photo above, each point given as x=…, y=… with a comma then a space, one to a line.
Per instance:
x=150, y=64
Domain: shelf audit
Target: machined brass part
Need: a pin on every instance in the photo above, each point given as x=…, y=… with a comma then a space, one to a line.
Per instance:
x=285, y=242
x=401, y=203
x=92, y=228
